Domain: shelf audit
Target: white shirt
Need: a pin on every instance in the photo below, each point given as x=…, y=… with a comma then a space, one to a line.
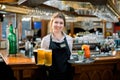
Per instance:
x=46, y=41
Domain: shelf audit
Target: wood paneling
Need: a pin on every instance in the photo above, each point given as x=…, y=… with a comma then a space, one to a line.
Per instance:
x=44, y=28
x=0, y=31
x=94, y=72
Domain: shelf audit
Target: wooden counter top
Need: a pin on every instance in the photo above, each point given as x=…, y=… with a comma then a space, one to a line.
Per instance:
x=19, y=59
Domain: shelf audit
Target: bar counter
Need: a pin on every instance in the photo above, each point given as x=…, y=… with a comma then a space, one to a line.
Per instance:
x=104, y=68
x=22, y=66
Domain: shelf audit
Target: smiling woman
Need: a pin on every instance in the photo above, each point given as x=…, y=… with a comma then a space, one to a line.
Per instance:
x=61, y=45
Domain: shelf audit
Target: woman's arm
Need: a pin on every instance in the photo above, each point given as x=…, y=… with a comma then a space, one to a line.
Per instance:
x=45, y=42
x=70, y=43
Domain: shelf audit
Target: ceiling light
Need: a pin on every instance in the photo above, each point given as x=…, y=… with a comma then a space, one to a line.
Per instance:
x=3, y=7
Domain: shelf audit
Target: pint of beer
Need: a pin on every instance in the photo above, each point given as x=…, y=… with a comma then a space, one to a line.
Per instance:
x=48, y=57
x=41, y=56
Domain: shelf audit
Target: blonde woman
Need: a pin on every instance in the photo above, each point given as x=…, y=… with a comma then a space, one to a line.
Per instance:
x=61, y=45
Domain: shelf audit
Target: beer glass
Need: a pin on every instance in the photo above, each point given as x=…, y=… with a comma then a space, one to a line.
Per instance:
x=48, y=57
x=35, y=55
x=40, y=56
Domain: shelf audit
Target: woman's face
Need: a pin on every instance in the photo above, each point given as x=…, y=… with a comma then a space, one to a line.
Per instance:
x=57, y=25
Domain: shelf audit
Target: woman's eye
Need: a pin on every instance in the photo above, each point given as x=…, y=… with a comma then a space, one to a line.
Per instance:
x=56, y=22
x=61, y=22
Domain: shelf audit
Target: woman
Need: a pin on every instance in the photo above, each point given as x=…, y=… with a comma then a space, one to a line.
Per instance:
x=61, y=45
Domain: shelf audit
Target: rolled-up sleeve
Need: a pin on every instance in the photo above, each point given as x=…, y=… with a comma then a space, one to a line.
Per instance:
x=70, y=43
x=45, y=42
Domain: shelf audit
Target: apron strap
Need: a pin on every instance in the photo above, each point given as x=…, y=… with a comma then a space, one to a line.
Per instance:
x=67, y=46
x=50, y=41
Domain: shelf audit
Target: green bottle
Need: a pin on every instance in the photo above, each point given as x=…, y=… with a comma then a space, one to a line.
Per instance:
x=12, y=41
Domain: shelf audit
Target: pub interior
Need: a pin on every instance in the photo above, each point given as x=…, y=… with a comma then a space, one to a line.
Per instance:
x=92, y=22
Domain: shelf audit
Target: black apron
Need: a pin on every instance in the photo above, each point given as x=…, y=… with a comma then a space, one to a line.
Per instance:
x=60, y=69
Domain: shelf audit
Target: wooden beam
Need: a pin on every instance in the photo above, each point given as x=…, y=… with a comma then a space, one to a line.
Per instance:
x=114, y=8
x=8, y=1
x=14, y=9
x=77, y=0
x=94, y=2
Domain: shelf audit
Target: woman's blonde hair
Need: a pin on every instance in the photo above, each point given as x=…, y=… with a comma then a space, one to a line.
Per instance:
x=57, y=15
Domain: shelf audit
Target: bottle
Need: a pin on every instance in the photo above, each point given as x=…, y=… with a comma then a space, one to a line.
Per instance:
x=28, y=49
x=12, y=49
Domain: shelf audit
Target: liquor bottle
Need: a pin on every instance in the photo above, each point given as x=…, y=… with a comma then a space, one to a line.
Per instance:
x=12, y=41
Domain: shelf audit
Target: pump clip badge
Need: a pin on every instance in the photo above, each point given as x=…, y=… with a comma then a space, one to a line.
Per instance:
x=62, y=45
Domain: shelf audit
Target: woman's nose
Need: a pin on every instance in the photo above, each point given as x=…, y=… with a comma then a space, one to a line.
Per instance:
x=58, y=25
